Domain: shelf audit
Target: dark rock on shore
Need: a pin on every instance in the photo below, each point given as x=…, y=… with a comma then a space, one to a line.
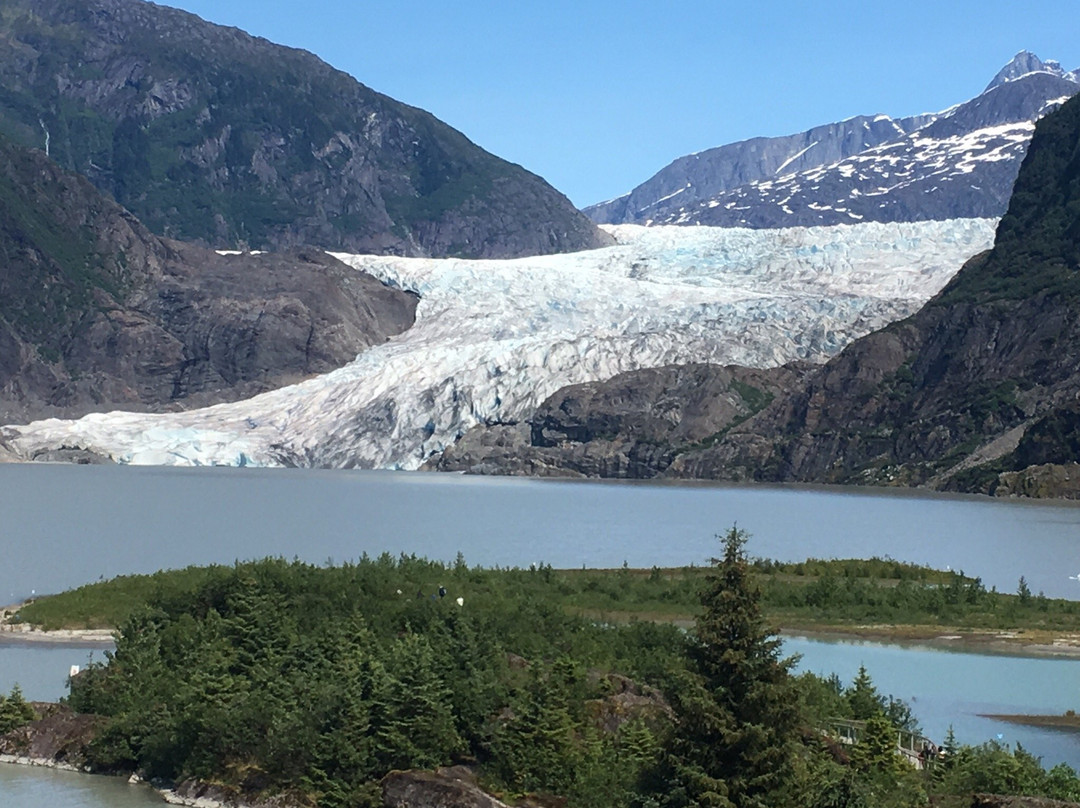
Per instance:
x=60, y=736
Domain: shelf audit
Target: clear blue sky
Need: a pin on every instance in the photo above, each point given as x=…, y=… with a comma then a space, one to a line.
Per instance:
x=598, y=95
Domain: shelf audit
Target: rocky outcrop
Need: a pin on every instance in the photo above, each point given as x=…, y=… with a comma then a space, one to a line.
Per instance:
x=630, y=426
x=628, y=701
x=208, y=134
x=453, y=787
x=97, y=313
x=955, y=164
x=59, y=738
x=198, y=794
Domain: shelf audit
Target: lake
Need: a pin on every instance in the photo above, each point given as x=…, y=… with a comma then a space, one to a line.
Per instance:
x=62, y=526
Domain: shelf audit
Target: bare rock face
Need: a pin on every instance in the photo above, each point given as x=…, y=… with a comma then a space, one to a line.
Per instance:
x=452, y=787
x=1050, y=480
x=97, y=313
x=59, y=737
x=630, y=426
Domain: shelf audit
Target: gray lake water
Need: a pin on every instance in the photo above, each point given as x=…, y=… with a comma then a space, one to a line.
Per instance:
x=62, y=526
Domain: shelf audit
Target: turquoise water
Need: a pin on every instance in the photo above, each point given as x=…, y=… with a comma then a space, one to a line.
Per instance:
x=945, y=688
x=32, y=787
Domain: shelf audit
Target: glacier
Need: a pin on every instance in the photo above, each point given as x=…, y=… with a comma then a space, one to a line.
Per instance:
x=493, y=339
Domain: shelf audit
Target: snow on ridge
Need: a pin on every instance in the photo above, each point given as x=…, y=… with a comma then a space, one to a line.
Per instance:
x=492, y=339
x=796, y=156
x=916, y=157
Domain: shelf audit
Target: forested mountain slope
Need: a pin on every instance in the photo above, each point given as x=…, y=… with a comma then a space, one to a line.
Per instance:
x=208, y=134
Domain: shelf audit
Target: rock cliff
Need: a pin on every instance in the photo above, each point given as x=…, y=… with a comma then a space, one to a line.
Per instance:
x=97, y=313
x=630, y=426
x=208, y=134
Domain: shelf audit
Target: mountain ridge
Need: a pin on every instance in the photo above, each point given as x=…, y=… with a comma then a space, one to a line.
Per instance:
x=210, y=135
x=958, y=163
x=992, y=359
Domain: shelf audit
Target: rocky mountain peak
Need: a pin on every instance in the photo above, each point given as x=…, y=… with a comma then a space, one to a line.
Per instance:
x=1026, y=62
x=958, y=163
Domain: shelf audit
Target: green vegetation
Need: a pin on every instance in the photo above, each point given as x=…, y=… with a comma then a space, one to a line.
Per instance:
x=208, y=135
x=53, y=272
x=815, y=593
x=283, y=677
x=14, y=711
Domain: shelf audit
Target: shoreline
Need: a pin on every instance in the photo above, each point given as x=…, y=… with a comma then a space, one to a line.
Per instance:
x=28, y=635
x=24, y=633
x=169, y=796
x=1033, y=643
x=991, y=642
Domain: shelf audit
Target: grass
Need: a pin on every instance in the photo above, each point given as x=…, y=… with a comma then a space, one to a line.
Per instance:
x=851, y=595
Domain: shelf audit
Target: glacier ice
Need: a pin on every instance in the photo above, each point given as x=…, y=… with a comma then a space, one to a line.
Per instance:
x=492, y=339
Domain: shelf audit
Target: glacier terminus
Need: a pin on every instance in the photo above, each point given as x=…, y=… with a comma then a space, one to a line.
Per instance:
x=494, y=338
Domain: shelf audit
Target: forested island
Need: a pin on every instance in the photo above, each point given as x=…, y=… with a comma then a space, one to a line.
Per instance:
x=356, y=684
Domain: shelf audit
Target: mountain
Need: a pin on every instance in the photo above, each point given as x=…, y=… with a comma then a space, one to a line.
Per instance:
x=976, y=392
x=955, y=164
x=98, y=313
x=208, y=134
x=494, y=339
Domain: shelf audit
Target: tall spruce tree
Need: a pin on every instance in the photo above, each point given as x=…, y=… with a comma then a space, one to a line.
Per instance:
x=738, y=716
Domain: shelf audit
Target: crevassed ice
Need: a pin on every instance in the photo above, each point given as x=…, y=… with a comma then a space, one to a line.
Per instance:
x=492, y=339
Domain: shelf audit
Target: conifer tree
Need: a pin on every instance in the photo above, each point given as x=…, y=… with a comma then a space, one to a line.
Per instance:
x=862, y=698
x=876, y=749
x=14, y=711
x=734, y=744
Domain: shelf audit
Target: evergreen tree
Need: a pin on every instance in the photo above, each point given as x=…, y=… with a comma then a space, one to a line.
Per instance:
x=863, y=700
x=1023, y=591
x=738, y=716
x=14, y=711
x=876, y=749
x=535, y=744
